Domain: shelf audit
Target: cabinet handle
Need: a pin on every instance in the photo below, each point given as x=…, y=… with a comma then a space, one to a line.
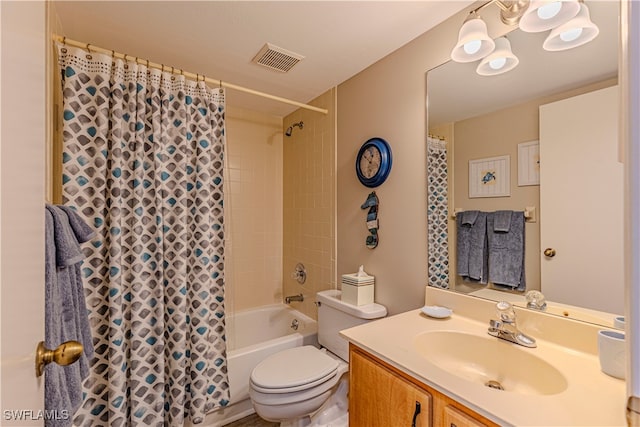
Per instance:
x=415, y=414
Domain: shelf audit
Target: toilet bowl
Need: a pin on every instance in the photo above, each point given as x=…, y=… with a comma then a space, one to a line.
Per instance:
x=307, y=386
x=294, y=383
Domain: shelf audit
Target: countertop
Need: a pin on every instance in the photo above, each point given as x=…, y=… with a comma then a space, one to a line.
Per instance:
x=591, y=398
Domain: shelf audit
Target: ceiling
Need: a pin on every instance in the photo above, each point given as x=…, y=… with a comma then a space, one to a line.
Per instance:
x=219, y=39
x=457, y=92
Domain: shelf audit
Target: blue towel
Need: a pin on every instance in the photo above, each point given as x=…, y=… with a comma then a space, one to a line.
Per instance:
x=502, y=221
x=66, y=316
x=506, y=252
x=472, y=263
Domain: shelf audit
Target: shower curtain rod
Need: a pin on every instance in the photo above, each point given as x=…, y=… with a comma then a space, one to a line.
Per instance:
x=89, y=47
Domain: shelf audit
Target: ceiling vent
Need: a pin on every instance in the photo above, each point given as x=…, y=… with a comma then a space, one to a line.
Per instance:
x=277, y=58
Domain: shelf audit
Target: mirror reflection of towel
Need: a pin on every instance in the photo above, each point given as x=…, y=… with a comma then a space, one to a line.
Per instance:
x=471, y=227
x=506, y=249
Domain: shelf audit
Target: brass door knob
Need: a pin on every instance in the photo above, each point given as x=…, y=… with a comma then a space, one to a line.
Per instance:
x=549, y=252
x=66, y=353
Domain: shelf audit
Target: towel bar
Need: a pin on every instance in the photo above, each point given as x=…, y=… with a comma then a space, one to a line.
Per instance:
x=529, y=213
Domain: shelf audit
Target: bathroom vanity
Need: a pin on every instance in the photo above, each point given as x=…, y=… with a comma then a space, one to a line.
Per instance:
x=383, y=395
x=454, y=370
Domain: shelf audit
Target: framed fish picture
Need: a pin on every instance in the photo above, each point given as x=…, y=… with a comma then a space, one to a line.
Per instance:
x=490, y=177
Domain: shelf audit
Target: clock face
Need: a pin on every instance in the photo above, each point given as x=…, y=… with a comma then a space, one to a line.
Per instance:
x=370, y=162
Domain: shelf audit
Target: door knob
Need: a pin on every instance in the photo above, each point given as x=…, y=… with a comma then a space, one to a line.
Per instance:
x=549, y=252
x=66, y=353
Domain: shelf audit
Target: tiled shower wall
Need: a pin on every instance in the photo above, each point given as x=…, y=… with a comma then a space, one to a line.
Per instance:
x=309, y=200
x=253, y=209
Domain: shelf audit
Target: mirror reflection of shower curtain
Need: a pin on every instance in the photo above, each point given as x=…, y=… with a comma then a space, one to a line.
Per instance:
x=142, y=162
x=437, y=213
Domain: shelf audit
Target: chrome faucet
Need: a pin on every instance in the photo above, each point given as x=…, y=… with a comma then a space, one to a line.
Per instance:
x=505, y=327
x=290, y=298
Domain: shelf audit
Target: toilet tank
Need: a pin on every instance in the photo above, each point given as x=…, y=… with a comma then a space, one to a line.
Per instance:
x=335, y=315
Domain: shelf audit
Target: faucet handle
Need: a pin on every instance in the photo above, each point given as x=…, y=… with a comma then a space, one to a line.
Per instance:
x=506, y=312
x=536, y=300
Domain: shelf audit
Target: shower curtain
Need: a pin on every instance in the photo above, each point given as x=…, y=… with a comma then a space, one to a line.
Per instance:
x=143, y=162
x=437, y=213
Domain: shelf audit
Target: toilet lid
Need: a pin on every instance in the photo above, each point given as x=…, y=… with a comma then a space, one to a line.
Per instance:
x=293, y=367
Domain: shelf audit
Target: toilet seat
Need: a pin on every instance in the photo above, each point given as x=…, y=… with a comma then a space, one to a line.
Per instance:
x=292, y=370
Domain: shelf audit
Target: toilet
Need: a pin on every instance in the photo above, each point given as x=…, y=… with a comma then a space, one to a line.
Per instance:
x=306, y=386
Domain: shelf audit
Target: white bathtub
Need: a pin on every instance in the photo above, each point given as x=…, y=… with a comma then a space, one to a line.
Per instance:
x=252, y=335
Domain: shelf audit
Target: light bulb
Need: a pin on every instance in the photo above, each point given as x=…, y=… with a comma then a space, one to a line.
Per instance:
x=550, y=10
x=472, y=47
x=497, y=63
x=571, y=35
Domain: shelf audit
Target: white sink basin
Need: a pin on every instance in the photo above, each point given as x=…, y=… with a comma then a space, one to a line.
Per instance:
x=490, y=361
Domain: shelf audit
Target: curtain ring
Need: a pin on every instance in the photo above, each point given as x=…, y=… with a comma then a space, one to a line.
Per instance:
x=220, y=85
x=147, y=63
x=88, y=56
x=88, y=48
x=64, y=40
x=113, y=53
x=197, y=78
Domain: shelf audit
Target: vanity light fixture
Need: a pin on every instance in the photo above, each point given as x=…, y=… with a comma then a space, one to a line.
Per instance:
x=543, y=15
x=473, y=40
x=499, y=61
x=578, y=31
x=569, y=21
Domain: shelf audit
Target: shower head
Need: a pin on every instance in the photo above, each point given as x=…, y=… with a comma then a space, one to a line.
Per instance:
x=289, y=131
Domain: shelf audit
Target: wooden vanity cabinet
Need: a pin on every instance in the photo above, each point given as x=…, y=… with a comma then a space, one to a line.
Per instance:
x=383, y=396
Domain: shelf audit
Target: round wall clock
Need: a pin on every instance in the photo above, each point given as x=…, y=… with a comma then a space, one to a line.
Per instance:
x=373, y=162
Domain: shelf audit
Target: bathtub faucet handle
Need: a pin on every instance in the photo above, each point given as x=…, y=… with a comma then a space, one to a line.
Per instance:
x=300, y=273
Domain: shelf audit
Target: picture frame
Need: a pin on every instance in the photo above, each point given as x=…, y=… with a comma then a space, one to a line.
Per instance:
x=529, y=163
x=490, y=177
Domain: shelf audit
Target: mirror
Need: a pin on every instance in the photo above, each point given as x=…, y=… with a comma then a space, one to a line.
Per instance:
x=484, y=118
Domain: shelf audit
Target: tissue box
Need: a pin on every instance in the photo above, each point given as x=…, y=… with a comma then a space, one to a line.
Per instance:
x=357, y=295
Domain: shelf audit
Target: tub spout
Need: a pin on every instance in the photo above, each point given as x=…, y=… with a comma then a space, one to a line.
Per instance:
x=291, y=298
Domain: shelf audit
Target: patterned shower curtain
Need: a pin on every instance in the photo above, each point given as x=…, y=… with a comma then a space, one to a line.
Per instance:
x=142, y=162
x=437, y=213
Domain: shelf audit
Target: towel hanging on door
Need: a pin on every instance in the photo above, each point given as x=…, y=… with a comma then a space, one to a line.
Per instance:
x=66, y=316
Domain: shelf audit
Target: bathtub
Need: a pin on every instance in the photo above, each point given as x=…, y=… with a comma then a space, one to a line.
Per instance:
x=252, y=335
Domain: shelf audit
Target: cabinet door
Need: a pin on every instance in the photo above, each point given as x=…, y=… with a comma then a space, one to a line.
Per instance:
x=453, y=417
x=380, y=398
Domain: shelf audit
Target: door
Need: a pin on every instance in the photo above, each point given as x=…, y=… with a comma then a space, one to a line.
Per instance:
x=22, y=196
x=581, y=201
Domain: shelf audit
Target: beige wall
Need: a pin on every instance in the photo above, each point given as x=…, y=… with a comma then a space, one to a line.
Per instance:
x=253, y=209
x=310, y=202
x=387, y=100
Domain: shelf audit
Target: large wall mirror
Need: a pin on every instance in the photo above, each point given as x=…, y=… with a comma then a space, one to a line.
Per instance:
x=550, y=125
